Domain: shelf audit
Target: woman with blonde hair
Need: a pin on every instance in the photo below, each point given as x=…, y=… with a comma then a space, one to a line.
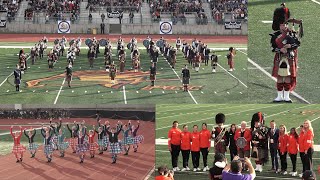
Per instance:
x=306, y=145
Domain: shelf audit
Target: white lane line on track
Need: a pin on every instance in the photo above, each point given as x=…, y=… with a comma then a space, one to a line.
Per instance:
x=56, y=100
x=273, y=78
x=316, y=1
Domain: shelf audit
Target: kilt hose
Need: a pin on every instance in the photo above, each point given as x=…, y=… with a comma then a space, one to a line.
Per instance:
x=115, y=148
x=48, y=149
x=33, y=147
x=73, y=142
x=82, y=148
x=138, y=139
x=18, y=149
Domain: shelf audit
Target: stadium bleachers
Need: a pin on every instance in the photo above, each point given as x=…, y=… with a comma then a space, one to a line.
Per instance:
x=10, y=6
x=236, y=8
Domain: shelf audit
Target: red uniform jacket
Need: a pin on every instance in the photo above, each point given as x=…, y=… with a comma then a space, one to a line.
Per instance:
x=292, y=144
x=185, y=140
x=247, y=135
x=305, y=140
x=16, y=140
x=283, y=143
x=205, y=139
x=195, y=139
x=174, y=136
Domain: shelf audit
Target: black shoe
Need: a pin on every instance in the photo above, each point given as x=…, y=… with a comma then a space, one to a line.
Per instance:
x=100, y=152
x=135, y=150
x=126, y=154
x=21, y=159
x=73, y=152
x=81, y=161
x=113, y=162
x=17, y=161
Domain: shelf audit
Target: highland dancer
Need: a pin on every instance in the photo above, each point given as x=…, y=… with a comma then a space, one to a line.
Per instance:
x=93, y=146
x=47, y=134
x=62, y=144
x=17, y=149
x=32, y=145
x=137, y=139
x=127, y=139
x=82, y=146
x=73, y=136
x=115, y=147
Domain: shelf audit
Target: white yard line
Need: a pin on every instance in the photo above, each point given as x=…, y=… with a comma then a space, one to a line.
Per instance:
x=225, y=114
x=124, y=94
x=6, y=79
x=55, y=101
x=267, y=22
x=316, y=1
x=233, y=76
x=273, y=78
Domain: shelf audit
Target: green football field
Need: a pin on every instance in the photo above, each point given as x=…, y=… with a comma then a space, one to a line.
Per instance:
x=291, y=115
x=263, y=88
x=39, y=85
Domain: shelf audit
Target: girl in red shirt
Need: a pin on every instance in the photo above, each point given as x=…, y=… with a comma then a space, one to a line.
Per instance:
x=17, y=149
x=293, y=149
x=185, y=147
x=174, y=142
x=205, y=143
x=93, y=146
x=195, y=148
x=283, y=142
x=306, y=145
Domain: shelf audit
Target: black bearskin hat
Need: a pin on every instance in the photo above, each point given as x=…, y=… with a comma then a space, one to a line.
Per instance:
x=280, y=16
x=257, y=117
x=220, y=118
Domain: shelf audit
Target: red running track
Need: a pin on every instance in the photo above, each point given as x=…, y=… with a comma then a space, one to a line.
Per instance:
x=132, y=167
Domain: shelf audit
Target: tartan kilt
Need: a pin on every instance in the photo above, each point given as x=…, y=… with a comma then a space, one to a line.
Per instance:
x=18, y=148
x=73, y=142
x=93, y=146
x=263, y=154
x=115, y=148
x=152, y=77
x=185, y=80
x=138, y=139
x=54, y=139
x=127, y=140
x=48, y=149
x=276, y=66
x=106, y=140
x=32, y=146
x=63, y=146
x=102, y=142
x=82, y=147
x=69, y=78
x=17, y=81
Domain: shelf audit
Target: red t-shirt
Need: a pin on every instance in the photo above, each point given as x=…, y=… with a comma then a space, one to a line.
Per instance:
x=195, y=139
x=292, y=144
x=185, y=140
x=205, y=139
x=174, y=136
x=283, y=142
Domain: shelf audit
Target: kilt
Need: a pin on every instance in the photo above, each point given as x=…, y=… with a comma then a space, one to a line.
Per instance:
x=127, y=140
x=17, y=81
x=102, y=142
x=293, y=69
x=48, y=149
x=185, y=80
x=231, y=63
x=178, y=46
x=138, y=139
x=152, y=77
x=18, y=148
x=69, y=78
x=73, y=142
x=112, y=75
x=93, y=146
x=196, y=64
x=263, y=154
x=54, y=139
x=63, y=146
x=82, y=147
x=32, y=146
x=115, y=148
x=220, y=148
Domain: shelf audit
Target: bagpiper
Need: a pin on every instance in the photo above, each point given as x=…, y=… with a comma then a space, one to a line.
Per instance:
x=153, y=72
x=113, y=72
x=219, y=134
x=178, y=43
x=185, y=78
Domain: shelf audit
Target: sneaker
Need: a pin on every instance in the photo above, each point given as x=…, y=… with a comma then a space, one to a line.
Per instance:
x=290, y=173
x=188, y=169
x=174, y=169
x=206, y=168
x=178, y=169
x=230, y=70
x=195, y=169
x=285, y=173
x=198, y=169
x=300, y=175
x=183, y=169
x=294, y=174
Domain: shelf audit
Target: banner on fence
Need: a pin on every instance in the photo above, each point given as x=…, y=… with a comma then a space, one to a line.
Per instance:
x=165, y=27
x=64, y=26
x=232, y=25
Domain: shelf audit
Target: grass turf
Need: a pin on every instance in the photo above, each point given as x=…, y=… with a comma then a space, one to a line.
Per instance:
x=262, y=88
x=291, y=115
x=215, y=88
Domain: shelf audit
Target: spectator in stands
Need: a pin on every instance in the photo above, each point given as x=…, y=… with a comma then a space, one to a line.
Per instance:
x=90, y=18
x=102, y=26
x=131, y=15
x=103, y=17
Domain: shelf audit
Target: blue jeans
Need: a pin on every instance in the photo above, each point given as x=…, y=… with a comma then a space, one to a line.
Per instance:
x=274, y=158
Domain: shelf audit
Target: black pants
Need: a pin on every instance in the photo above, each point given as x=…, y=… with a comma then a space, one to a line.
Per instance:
x=185, y=157
x=233, y=152
x=206, y=60
x=274, y=158
x=307, y=160
x=204, y=152
x=293, y=158
x=102, y=30
x=195, y=158
x=302, y=154
x=283, y=161
x=175, y=151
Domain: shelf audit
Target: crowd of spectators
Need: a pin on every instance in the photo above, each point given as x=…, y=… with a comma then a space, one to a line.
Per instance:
x=236, y=8
x=112, y=5
x=56, y=9
x=177, y=8
x=10, y=6
x=34, y=114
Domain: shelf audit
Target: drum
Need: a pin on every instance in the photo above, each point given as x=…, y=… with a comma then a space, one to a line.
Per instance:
x=71, y=42
x=160, y=43
x=129, y=45
x=88, y=42
x=241, y=142
x=103, y=42
x=56, y=41
x=146, y=43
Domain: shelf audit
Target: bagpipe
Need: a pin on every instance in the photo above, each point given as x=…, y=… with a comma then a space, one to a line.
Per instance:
x=220, y=136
